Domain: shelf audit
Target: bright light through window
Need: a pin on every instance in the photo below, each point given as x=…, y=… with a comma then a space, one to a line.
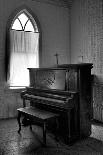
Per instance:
x=24, y=23
x=23, y=18
x=16, y=25
x=29, y=26
x=24, y=46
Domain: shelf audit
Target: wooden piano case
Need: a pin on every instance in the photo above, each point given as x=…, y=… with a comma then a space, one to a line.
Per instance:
x=79, y=79
x=72, y=80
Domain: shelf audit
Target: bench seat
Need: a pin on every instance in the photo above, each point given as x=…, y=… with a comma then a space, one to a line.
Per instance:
x=42, y=116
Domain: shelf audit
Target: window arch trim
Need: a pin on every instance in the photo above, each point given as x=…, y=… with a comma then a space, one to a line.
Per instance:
x=30, y=18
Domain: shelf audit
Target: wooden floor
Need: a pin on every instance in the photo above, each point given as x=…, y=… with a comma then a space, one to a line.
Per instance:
x=11, y=143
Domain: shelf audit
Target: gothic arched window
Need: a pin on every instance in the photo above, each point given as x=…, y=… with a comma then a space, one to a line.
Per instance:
x=24, y=49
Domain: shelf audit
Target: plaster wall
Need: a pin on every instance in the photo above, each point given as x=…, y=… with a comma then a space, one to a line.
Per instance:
x=87, y=45
x=54, y=22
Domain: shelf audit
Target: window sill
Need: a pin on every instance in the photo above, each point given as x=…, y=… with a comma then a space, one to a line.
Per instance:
x=14, y=89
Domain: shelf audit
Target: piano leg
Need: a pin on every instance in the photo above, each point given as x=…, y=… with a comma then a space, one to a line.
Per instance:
x=18, y=119
x=44, y=133
x=57, y=129
x=69, y=126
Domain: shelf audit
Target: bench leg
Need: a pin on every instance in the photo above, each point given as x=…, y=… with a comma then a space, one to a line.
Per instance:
x=18, y=119
x=44, y=133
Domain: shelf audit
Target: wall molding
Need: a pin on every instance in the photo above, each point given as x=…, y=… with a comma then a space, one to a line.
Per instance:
x=60, y=3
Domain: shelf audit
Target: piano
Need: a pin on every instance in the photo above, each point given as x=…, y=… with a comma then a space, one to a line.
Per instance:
x=65, y=90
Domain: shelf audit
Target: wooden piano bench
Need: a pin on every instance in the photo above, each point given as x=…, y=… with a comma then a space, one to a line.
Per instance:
x=37, y=115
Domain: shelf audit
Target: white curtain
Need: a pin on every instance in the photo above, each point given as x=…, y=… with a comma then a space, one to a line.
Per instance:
x=24, y=47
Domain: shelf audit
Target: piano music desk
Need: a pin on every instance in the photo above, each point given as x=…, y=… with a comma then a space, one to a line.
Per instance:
x=37, y=114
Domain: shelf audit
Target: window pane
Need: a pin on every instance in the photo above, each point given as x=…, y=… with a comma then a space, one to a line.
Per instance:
x=23, y=18
x=29, y=26
x=24, y=54
x=24, y=47
x=16, y=25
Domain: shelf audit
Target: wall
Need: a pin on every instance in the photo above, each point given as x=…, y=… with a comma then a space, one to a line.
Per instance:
x=87, y=44
x=54, y=21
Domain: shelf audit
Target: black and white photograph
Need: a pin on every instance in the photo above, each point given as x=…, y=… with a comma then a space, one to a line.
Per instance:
x=51, y=77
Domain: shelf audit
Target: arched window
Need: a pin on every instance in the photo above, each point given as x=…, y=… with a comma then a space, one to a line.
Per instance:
x=24, y=49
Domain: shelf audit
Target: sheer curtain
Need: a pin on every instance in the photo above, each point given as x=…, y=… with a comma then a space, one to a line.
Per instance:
x=24, y=47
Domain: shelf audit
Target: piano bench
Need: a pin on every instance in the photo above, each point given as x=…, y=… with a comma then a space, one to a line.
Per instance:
x=38, y=115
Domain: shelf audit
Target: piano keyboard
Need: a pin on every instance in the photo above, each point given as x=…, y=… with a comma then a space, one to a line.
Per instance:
x=56, y=102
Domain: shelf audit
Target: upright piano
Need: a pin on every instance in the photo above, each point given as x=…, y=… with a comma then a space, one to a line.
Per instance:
x=66, y=90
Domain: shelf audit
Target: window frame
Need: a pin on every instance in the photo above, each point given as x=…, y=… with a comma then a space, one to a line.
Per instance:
x=11, y=19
